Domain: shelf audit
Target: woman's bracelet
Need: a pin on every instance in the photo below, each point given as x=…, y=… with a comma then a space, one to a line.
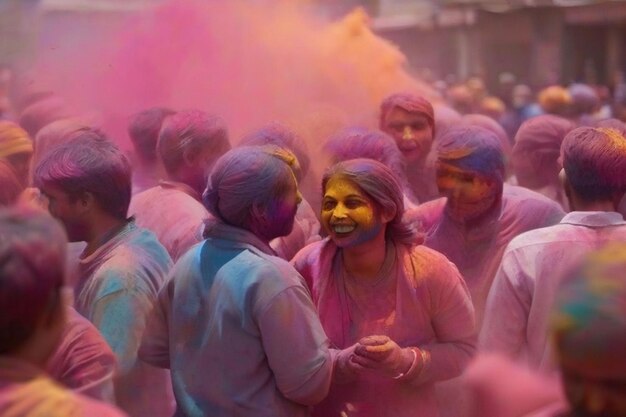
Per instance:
x=401, y=374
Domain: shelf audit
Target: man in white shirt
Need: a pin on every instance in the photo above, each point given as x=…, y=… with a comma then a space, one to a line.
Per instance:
x=534, y=263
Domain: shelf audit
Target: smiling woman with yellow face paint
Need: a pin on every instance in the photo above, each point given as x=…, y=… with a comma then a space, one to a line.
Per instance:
x=350, y=216
x=403, y=308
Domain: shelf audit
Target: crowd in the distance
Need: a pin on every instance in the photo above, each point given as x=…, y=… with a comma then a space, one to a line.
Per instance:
x=466, y=258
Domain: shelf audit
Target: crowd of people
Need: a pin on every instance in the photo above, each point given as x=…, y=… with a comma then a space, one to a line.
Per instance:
x=465, y=258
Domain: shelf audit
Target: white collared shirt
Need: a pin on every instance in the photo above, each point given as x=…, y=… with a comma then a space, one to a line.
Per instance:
x=533, y=265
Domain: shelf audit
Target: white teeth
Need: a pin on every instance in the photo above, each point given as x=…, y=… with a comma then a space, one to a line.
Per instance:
x=343, y=229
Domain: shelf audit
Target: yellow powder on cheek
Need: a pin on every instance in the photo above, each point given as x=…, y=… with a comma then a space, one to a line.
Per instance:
x=342, y=190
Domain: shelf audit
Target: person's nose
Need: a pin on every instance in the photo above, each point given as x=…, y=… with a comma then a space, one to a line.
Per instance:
x=449, y=189
x=456, y=192
x=299, y=198
x=340, y=212
x=407, y=133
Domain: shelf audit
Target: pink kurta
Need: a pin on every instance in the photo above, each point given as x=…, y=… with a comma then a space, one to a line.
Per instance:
x=83, y=360
x=477, y=250
x=419, y=301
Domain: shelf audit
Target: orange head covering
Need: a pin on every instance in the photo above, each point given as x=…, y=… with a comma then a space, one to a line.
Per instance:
x=13, y=140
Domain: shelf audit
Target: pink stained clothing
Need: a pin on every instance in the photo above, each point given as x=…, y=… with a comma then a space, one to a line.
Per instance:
x=424, y=303
x=477, y=251
x=553, y=410
x=117, y=288
x=26, y=391
x=173, y=212
x=421, y=177
x=555, y=193
x=83, y=361
x=498, y=387
x=534, y=264
x=306, y=230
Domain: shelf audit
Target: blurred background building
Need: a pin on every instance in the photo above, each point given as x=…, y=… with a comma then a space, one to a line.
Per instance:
x=539, y=42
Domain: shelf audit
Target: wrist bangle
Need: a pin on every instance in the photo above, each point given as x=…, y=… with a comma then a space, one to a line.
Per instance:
x=401, y=374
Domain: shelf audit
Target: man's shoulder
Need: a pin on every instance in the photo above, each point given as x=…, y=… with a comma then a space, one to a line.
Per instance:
x=144, y=245
x=524, y=198
x=137, y=257
x=529, y=209
x=538, y=237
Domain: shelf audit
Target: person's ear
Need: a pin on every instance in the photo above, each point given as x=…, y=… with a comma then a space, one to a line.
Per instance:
x=388, y=214
x=258, y=213
x=188, y=157
x=56, y=311
x=86, y=201
x=619, y=202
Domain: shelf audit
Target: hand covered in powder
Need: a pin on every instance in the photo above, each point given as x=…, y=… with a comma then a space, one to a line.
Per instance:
x=380, y=353
x=345, y=368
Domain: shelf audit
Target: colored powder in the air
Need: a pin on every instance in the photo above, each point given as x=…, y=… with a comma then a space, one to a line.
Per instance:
x=249, y=63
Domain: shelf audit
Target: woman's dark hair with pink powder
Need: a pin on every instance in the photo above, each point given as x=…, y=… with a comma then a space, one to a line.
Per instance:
x=93, y=164
x=32, y=272
x=358, y=142
x=379, y=183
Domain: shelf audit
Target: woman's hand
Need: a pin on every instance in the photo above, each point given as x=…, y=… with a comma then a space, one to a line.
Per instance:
x=380, y=353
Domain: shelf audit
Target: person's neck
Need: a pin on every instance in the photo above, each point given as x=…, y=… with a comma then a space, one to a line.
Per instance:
x=414, y=166
x=365, y=260
x=33, y=356
x=102, y=231
x=604, y=205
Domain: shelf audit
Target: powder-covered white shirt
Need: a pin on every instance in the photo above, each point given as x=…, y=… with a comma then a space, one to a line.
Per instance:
x=534, y=264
